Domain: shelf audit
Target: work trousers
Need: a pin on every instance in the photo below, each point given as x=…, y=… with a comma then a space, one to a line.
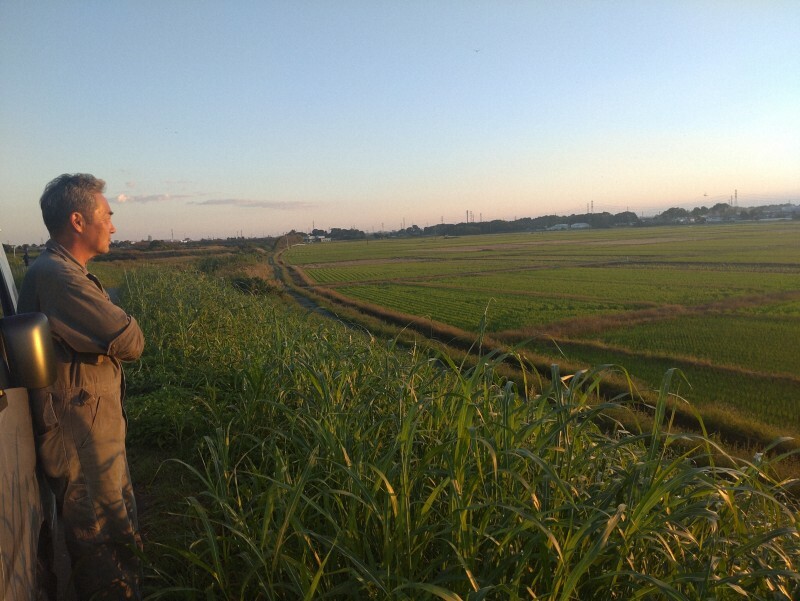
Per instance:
x=81, y=450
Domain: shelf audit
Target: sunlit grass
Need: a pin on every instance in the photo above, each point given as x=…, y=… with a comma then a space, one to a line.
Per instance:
x=324, y=463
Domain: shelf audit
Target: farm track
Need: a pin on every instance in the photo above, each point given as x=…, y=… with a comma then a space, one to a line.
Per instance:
x=304, y=301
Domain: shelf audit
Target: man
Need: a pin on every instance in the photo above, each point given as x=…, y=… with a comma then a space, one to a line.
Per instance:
x=79, y=421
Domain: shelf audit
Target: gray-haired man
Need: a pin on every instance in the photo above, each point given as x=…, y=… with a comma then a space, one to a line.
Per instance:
x=79, y=421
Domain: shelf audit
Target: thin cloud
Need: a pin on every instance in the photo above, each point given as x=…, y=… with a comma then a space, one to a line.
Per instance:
x=280, y=205
x=124, y=198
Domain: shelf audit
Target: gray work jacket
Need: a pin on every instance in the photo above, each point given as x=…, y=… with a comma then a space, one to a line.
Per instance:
x=92, y=335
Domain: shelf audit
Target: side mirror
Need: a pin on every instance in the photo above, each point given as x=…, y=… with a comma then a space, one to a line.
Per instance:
x=27, y=357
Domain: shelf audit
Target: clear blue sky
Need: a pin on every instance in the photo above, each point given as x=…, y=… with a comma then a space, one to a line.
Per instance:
x=254, y=117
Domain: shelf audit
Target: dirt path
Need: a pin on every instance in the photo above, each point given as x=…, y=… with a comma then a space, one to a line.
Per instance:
x=303, y=301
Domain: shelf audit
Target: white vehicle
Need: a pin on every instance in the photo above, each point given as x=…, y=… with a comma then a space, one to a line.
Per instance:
x=26, y=361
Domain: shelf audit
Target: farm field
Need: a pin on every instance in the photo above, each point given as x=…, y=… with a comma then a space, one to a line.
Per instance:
x=721, y=302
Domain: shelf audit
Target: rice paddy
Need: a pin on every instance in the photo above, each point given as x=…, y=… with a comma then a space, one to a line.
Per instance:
x=714, y=297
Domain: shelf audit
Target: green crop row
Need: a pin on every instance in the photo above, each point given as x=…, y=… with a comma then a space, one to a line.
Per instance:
x=757, y=397
x=466, y=308
x=534, y=298
x=334, y=273
x=756, y=343
x=623, y=283
x=778, y=309
x=635, y=284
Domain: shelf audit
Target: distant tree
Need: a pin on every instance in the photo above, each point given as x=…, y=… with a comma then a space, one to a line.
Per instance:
x=349, y=234
x=604, y=219
x=440, y=229
x=721, y=209
x=673, y=214
x=625, y=218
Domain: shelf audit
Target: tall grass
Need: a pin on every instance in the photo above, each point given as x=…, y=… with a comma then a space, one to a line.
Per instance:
x=331, y=465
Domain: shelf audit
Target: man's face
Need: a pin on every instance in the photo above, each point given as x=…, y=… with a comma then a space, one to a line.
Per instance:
x=97, y=232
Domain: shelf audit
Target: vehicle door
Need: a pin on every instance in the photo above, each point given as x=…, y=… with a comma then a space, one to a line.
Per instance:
x=21, y=513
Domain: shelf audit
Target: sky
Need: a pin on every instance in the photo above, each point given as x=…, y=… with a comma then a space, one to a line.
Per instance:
x=253, y=118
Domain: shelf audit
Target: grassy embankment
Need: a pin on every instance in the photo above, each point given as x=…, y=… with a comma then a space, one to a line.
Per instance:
x=314, y=461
